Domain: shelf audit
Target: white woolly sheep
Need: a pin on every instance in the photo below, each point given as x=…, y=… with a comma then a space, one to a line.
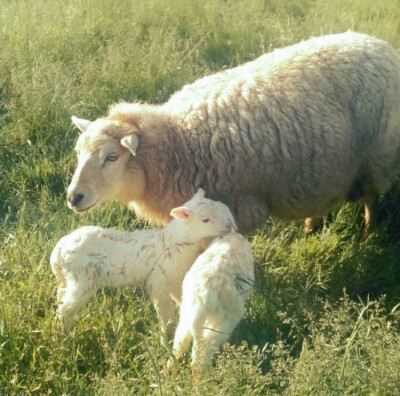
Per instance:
x=92, y=257
x=214, y=294
x=289, y=134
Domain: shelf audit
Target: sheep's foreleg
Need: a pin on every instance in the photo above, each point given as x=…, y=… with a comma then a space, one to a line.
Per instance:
x=250, y=212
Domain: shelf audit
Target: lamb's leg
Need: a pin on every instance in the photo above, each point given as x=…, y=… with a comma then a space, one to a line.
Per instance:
x=183, y=333
x=182, y=339
x=60, y=293
x=166, y=310
x=208, y=339
x=73, y=300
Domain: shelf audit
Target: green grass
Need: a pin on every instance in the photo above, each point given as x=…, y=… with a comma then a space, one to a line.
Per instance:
x=324, y=316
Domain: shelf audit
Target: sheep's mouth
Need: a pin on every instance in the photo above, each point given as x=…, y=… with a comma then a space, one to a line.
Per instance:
x=78, y=210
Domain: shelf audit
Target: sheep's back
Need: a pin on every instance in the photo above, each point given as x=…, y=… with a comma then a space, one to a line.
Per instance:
x=295, y=125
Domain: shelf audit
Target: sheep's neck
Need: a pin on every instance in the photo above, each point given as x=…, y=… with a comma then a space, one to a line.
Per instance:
x=177, y=150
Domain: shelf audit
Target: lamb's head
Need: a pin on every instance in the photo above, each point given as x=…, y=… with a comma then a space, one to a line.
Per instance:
x=204, y=217
x=105, y=150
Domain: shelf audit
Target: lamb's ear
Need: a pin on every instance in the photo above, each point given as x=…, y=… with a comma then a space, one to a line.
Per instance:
x=80, y=123
x=181, y=213
x=200, y=193
x=131, y=142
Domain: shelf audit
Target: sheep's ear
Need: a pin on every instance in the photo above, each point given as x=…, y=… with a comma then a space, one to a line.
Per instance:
x=80, y=123
x=181, y=213
x=131, y=142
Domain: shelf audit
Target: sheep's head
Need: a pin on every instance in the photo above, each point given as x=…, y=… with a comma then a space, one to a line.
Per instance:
x=105, y=151
x=205, y=217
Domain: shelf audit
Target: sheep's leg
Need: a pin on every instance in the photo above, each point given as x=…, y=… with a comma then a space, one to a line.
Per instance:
x=369, y=212
x=73, y=300
x=356, y=191
x=250, y=212
x=312, y=223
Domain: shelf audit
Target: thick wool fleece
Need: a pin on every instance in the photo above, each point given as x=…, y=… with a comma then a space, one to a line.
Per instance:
x=289, y=134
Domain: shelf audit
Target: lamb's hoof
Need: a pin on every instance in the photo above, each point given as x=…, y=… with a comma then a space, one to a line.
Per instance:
x=196, y=376
x=198, y=372
x=170, y=364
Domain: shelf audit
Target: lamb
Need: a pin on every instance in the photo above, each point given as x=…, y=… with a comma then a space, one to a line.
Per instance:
x=214, y=293
x=91, y=257
x=289, y=134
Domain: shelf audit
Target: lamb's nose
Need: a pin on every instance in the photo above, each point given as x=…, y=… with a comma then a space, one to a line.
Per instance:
x=74, y=199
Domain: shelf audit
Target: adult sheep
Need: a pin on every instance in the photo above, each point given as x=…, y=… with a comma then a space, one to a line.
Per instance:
x=288, y=135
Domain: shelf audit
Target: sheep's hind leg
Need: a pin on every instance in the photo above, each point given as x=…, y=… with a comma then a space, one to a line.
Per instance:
x=370, y=194
x=370, y=216
x=355, y=193
x=311, y=224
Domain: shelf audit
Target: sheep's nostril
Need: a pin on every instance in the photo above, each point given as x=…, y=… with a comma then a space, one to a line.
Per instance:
x=75, y=199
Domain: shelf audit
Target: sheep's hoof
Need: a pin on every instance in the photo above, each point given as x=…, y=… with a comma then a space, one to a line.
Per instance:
x=312, y=224
x=366, y=231
x=308, y=225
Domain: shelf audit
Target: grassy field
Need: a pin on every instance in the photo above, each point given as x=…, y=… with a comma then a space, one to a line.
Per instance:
x=324, y=317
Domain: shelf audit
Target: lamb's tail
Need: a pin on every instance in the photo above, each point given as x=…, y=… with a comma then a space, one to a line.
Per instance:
x=55, y=260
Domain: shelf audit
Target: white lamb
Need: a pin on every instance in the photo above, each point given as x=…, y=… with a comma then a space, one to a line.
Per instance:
x=92, y=257
x=214, y=293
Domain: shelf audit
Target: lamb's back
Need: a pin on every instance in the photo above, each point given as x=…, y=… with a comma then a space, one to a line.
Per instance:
x=222, y=272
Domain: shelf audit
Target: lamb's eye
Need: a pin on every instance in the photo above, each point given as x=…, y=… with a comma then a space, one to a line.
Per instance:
x=206, y=220
x=112, y=157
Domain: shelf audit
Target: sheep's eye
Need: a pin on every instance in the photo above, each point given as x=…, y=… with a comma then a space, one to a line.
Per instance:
x=112, y=157
x=206, y=220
